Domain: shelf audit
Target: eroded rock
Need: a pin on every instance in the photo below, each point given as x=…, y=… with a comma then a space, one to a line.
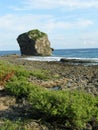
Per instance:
x=34, y=43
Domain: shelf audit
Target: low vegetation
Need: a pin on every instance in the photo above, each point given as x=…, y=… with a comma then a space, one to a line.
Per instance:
x=66, y=107
x=36, y=34
x=70, y=108
x=8, y=125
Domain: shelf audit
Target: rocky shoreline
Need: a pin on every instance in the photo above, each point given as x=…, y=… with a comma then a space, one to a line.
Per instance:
x=68, y=77
x=86, y=62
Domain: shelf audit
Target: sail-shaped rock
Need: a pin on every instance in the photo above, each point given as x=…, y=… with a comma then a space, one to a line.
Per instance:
x=34, y=43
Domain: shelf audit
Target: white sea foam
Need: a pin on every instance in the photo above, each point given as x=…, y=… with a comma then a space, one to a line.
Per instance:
x=42, y=58
x=53, y=58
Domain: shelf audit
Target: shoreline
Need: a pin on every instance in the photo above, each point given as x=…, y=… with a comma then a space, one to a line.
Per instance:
x=63, y=60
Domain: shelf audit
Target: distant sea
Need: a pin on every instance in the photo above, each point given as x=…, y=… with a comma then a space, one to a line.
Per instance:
x=89, y=54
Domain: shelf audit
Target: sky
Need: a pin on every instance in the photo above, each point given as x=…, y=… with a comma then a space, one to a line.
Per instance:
x=69, y=24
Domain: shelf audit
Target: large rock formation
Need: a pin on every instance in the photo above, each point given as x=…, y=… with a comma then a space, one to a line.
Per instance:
x=34, y=43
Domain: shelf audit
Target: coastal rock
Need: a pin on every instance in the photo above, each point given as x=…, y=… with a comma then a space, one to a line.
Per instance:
x=34, y=43
x=80, y=61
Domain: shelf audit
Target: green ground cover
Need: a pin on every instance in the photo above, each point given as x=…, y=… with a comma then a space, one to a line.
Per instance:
x=70, y=108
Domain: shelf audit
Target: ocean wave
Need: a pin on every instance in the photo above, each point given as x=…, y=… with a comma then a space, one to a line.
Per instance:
x=51, y=58
x=41, y=58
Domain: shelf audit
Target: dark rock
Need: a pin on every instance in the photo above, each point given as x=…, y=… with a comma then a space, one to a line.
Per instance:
x=80, y=61
x=95, y=127
x=34, y=43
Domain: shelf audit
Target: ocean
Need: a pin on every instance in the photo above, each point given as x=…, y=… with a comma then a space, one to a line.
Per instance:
x=85, y=54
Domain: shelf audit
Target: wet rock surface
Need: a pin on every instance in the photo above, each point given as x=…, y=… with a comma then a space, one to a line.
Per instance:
x=84, y=61
x=75, y=60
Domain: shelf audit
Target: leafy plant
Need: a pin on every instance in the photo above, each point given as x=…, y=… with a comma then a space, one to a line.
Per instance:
x=41, y=74
x=6, y=72
x=8, y=125
x=18, y=88
x=70, y=108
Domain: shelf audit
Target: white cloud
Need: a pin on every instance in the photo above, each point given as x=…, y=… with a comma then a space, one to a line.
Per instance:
x=88, y=39
x=62, y=25
x=52, y=4
x=84, y=22
x=45, y=22
x=13, y=25
x=89, y=42
x=22, y=22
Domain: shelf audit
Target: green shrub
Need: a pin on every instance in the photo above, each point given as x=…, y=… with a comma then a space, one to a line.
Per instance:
x=6, y=72
x=21, y=71
x=6, y=68
x=8, y=125
x=43, y=74
x=18, y=88
x=71, y=108
x=40, y=74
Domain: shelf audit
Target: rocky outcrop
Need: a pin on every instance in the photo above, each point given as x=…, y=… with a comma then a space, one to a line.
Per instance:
x=34, y=43
x=78, y=61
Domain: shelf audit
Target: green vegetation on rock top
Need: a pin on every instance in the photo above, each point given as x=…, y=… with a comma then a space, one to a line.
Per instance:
x=36, y=34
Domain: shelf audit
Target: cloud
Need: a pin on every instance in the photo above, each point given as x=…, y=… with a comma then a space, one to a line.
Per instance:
x=12, y=25
x=88, y=39
x=45, y=22
x=62, y=25
x=84, y=22
x=89, y=42
x=53, y=4
x=20, y=22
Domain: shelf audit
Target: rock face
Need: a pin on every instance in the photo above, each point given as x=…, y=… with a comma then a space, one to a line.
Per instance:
x=34, y=43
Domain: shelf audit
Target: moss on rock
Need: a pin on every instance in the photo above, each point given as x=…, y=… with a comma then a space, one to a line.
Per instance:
x=36, y=34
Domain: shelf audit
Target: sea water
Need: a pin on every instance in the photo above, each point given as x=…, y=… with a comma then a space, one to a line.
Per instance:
x=85, y=54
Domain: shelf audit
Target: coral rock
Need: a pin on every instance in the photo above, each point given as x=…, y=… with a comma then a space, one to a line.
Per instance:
x=34, y=43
